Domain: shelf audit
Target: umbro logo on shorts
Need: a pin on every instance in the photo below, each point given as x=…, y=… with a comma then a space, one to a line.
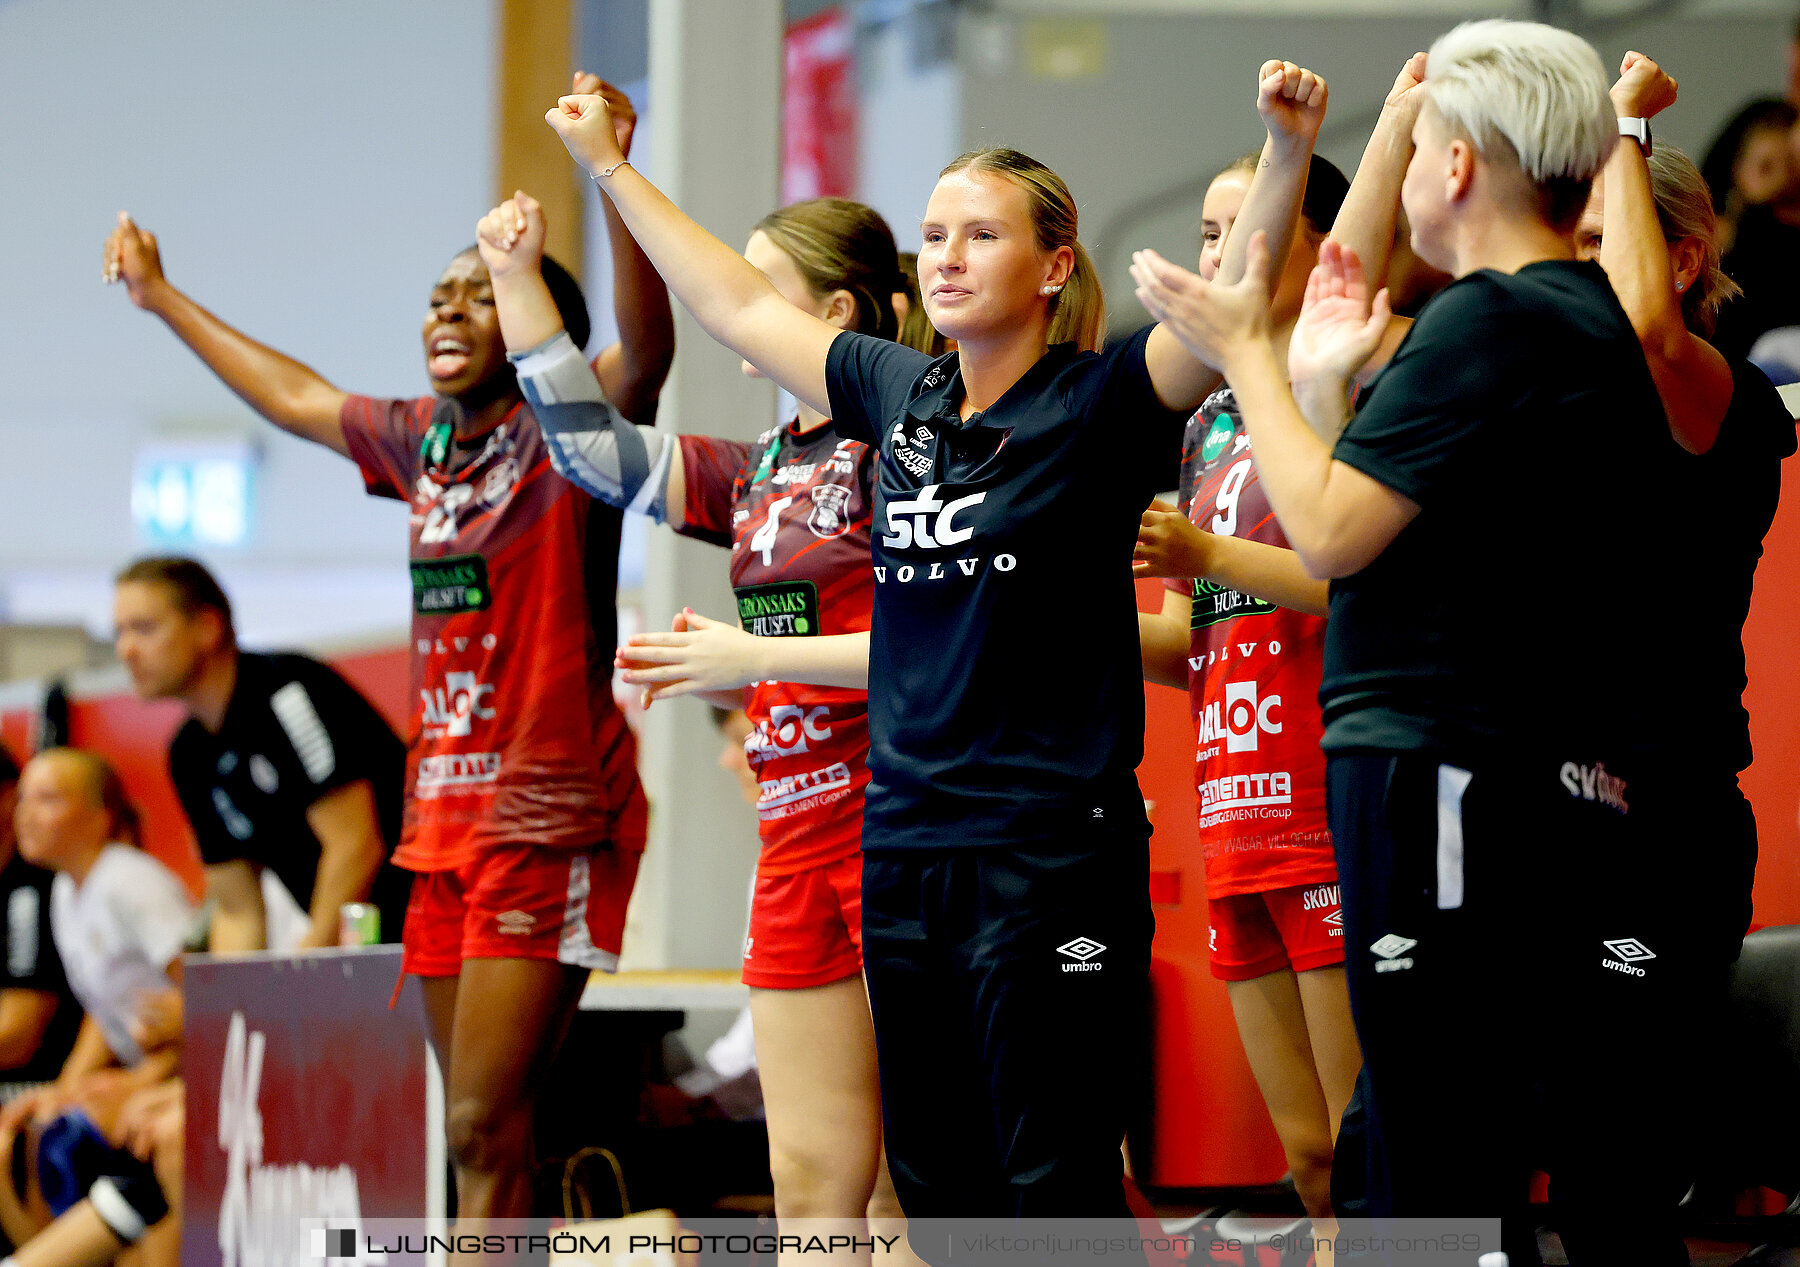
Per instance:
x=1082, y=950
x=1632, y=951
x=1390, y=948
x=515, y=922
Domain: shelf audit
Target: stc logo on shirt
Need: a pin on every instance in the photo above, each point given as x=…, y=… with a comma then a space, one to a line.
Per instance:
x=928, y=521
x=453, y=708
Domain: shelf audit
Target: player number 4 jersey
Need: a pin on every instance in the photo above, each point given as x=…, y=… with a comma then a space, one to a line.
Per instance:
x=1253, y=684
x=795, y=509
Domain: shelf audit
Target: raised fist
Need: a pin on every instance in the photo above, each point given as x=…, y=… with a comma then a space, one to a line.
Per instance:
x=1405, y=92
x=624, y=114
x=511, y=236
x=1643, y=89
x=132, y=258
x=1290, y=100
x=585, y=124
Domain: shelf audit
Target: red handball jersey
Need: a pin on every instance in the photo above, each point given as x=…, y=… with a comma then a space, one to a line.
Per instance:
x=514, y=738
x=796, y=511
x=1253, y=681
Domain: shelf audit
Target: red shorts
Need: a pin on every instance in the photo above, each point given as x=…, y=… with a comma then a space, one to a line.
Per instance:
x=805, y=928
x=521, y=902
x=1254, y=934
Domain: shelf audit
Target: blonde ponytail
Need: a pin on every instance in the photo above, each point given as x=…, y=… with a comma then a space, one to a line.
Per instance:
x=1078, y=313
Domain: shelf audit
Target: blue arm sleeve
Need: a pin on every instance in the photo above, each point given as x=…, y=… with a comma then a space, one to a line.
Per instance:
x=593, y=445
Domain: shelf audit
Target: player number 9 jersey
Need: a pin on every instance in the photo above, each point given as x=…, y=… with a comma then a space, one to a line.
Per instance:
x=1253, y=685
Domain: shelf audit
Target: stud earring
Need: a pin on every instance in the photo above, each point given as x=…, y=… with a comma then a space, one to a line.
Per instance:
x=1049, y=290
x=1680, y=286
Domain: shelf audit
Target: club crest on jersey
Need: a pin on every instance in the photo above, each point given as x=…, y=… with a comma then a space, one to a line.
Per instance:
x=830, y=517
x=498, y=485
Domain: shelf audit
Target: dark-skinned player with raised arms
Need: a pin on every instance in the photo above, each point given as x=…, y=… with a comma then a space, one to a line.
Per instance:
x=524, y=817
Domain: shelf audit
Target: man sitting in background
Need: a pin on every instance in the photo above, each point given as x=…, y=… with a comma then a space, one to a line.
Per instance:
x=281, y=766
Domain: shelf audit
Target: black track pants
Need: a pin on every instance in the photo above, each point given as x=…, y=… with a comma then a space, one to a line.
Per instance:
x=1010, y=992
x=1526, y=976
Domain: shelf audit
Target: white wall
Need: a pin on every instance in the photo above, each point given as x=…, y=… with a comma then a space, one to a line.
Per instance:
x=308, y=169
x=911, y=125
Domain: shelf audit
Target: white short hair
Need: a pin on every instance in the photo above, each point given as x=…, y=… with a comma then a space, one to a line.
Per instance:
x=1539, y=89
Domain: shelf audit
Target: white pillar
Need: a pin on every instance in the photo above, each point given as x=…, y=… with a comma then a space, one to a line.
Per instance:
x=715, y=118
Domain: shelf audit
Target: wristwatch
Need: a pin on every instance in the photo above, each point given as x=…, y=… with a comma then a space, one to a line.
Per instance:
x=1638, y=130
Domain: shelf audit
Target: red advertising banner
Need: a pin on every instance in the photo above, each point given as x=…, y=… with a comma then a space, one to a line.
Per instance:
x=307, y=1098
x=819, y=108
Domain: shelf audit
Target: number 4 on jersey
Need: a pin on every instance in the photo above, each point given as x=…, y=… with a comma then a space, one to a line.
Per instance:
x=764, y=538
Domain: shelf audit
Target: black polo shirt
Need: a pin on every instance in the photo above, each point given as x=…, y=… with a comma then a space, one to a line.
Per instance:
x=29, y=961
x=293, y=732
x=1519, y=609
x=1735, y=487
x=1005, y=687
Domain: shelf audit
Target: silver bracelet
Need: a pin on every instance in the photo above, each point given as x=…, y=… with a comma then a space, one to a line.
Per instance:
x=601, y=175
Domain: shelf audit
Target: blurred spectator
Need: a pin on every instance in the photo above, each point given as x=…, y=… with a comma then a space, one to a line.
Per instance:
x=1777, y=354
x=282, y=767
x=1765, y=260
x=121, y=920
x=141, y=1208
x=1749, y=163
x=734, y=727
x=38, y=1014
x=120, y=917
x=1793, y=66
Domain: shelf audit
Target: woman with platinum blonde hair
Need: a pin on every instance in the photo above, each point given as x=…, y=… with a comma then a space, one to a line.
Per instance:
x=1489, y=674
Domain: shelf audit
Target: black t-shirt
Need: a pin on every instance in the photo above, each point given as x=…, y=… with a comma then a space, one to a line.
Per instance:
x=30, y=962
x=1516, y=608
x=1764, y=260
x=1005, y=687
x=1734, y=485
x=293, y=732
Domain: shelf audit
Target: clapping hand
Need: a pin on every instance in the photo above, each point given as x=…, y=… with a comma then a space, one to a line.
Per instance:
x=697, y=654
x=1210, y=319
x=1169, y=544
x=1339, y=326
